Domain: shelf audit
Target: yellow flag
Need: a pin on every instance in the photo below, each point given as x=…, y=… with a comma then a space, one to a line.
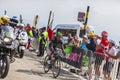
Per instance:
x=36, y=21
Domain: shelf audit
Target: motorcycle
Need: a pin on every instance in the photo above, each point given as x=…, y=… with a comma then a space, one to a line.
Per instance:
x=22, y=39
x=8, y=33
x=6, y=48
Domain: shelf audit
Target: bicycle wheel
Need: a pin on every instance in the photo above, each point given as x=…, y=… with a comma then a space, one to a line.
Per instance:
x=46, y=65
x=56, y=67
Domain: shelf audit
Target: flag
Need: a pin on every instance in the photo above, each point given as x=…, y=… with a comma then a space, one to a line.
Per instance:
x=51, y=23
x=36, y=21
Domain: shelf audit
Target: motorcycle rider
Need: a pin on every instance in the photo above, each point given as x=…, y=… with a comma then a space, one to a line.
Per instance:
x=4, y=20
x=7, y=30
x=22, y=32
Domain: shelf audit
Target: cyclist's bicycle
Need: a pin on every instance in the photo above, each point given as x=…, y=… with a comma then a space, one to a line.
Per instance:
x=54, y=63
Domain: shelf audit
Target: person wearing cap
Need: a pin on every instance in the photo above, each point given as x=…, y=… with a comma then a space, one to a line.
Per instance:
x=91, y=46
x=84, y=43
x=107, y=68
x=100, y=56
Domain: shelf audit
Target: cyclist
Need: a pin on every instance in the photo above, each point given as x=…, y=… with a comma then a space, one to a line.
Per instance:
x=56, y=43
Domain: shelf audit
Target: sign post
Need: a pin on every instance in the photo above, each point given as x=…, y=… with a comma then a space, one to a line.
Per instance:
x=86, y=20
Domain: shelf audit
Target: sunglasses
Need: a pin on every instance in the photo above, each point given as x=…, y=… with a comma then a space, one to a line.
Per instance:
x=104, y=36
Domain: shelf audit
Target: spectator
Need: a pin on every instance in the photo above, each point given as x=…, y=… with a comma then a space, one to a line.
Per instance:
x=110, y=62
x=91, y=47
x=69, y=37
x=50, y=33
x=100, y=53
x=76, y=42
x=115, y=57
x=42, y=39
x=84, y=43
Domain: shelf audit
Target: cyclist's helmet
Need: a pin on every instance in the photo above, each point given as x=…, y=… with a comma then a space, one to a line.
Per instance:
x=4, y=19
x=59, y=34
x=104, y=33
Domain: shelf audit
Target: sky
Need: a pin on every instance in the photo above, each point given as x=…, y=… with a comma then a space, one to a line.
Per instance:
x=104, y=14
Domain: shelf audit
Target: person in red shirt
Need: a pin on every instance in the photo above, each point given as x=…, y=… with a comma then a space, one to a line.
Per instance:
x=100, y=52
x=50, y=33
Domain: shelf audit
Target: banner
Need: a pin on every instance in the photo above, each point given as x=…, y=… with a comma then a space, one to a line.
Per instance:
x=75, y=58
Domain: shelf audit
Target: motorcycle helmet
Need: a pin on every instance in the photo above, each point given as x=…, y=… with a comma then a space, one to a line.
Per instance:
x=23, y=34
x=21, y=25
x=4, y=19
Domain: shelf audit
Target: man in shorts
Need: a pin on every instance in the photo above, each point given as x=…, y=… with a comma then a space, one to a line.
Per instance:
x=99, y=56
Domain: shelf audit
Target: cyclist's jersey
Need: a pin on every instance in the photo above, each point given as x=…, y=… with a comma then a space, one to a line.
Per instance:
x=55, y=43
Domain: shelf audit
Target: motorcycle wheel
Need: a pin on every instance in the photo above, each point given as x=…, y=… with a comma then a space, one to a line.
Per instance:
x=4, y=66
x=22, y=54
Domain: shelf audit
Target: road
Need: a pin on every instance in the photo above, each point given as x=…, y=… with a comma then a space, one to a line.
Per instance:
x=31, y=68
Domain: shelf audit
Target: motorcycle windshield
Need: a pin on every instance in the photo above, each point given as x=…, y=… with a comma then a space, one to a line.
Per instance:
x=8, y=32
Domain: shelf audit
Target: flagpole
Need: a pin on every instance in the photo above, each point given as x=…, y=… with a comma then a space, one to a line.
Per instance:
x=49, y=18
x=5, y=12
x=51, y=23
